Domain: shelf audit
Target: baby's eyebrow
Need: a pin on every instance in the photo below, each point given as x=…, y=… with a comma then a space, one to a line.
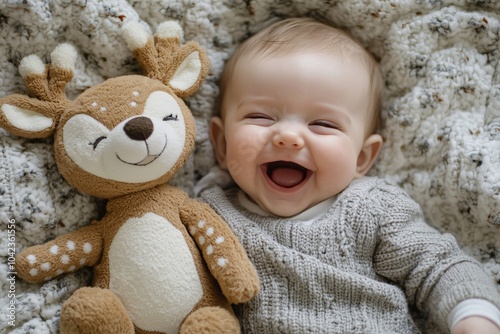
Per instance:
x=337, y=110
x=263, y=100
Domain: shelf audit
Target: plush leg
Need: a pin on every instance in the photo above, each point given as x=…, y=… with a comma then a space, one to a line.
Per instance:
x=94, y=310
x=210, y=320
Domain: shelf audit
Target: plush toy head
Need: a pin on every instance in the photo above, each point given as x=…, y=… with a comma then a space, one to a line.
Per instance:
x=124, y=135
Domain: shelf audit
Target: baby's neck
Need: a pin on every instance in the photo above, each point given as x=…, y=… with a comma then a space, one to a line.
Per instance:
x=305, y=217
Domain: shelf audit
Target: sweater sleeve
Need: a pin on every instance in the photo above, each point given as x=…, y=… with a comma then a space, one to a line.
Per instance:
x=429, y=266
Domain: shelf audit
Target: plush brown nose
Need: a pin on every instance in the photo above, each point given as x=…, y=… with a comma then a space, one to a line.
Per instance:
x=139, y=128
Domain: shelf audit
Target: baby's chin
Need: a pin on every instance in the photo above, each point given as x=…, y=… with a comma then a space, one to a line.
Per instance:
x=287, y=210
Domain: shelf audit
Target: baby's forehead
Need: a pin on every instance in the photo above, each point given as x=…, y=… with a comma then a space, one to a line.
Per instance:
x=329, y=41
x=334, y=46
x=347, y=52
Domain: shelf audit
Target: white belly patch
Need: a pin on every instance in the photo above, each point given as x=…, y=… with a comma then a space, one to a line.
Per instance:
x=153, y=273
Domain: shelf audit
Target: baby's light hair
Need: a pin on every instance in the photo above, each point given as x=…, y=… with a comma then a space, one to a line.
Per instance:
x=303, y=34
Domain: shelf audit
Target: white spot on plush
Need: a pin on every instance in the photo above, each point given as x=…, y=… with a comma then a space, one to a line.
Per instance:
x=70, y=245
x=87, y=248
x=45, y=266
x=54, y=249
x=210, y=231
x=71, y=268
x=210, y=249
x=34, y=272
x=65, y=259
x=192, y=230
x=222, y=261
x=94, y=104
x=133, y=104
x=82, y=261
x=201, y=223
x=103, y=109
x=31, y=259
x=136, y=93
x=201, y=240
x=219, y=240
x=59, y=271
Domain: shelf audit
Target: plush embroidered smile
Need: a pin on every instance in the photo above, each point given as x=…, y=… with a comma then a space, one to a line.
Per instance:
x=149, y=158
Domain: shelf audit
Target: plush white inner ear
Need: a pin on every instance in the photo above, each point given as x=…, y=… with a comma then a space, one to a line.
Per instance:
x=187, y=73
x=26, y=120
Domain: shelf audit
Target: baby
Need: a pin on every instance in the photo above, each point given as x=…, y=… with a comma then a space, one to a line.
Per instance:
x=336, y=251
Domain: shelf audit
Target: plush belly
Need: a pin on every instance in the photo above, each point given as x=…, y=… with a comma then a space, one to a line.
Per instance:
x=153, y=273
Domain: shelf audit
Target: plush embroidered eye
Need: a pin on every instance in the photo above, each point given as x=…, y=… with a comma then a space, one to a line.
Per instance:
x=97, y=141
x=171, y=117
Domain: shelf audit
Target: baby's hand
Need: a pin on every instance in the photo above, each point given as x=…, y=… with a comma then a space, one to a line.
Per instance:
x=475, y=325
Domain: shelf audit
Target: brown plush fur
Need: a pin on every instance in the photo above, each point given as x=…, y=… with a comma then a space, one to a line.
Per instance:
x=196, y=322
x=95, y=310
x=162, y=261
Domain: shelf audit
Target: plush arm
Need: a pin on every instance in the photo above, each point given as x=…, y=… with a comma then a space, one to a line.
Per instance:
x=225, y=257
x=65, y=254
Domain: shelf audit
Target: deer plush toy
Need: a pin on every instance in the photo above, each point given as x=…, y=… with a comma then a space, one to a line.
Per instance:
x=163, y=262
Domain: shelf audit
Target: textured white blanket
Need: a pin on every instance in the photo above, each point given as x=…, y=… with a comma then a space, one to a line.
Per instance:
x=441, y=116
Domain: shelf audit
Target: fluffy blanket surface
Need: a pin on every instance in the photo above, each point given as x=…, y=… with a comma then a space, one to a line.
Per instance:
x=441, y=116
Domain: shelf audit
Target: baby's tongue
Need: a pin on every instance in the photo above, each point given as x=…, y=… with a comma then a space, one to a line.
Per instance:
x=287, y=175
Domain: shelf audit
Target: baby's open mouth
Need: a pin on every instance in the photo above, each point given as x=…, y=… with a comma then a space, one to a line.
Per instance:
x=286, y=174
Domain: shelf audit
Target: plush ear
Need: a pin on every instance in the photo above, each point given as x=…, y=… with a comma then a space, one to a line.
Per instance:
x=182, y=67
x=24, y=116
x=368, y=154
x=191, y=70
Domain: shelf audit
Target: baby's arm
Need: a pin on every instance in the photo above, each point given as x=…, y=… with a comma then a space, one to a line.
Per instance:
x=473, y=325
x=430, y=267
x=474, y=316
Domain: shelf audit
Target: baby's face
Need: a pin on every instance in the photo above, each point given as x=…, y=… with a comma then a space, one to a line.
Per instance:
x=293, y=128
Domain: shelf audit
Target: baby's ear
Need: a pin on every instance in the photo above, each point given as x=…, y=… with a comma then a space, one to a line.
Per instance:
x=218, y=140
x=368, y=155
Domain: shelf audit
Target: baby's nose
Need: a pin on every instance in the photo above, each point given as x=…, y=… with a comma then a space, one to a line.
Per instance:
x=288, y=138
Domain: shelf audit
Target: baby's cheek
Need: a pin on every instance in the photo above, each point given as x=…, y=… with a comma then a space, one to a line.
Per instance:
x=338, y=163
x=243, y=148
x=238, y=158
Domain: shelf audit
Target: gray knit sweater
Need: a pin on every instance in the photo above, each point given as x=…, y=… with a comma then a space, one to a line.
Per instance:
x=355, y=269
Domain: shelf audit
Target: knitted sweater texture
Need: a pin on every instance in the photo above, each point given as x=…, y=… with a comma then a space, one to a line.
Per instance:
x=354, y=270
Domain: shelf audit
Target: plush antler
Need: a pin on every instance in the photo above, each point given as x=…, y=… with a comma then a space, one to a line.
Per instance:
x=163, y=57
x=47, y=83
x=37, y=116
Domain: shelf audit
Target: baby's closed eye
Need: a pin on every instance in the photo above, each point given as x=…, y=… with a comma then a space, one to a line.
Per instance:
x=324, y=127
x=260, y=119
